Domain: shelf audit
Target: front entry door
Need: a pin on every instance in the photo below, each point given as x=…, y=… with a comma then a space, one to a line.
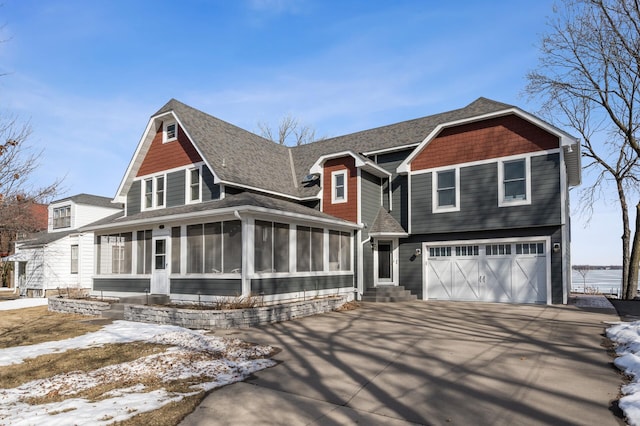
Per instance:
x=160, y=274
x=385, y=262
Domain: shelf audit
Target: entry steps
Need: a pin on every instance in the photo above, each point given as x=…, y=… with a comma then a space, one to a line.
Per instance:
x=116, y=312
x=388, y=293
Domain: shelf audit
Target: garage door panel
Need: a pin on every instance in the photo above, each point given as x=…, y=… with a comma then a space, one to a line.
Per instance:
x=530, y=279
x=466, y=279
x=440, y=279
x=498, y=282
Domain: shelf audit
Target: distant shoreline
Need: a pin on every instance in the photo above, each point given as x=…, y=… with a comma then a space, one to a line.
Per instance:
x=596, y=267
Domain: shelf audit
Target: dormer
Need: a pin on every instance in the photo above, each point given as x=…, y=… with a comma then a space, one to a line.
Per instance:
x=79, y=210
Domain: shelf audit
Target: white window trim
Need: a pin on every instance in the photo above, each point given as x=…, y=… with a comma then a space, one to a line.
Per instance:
x=165, y=137
x=334, y=199
x=527, y=166
x=154, y=192
x=434, y=190
x=188, y=182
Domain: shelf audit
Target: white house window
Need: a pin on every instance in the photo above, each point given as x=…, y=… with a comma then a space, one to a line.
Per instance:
x=446, y=191
x=160, y=191
x=339, y=251
x=194, y=185
x=339, y=186
x=170, y=132
x=514, y=182
x=271, y=252
x=74, y=259
x=114, y=254
x=62, y=217
x=154, y=192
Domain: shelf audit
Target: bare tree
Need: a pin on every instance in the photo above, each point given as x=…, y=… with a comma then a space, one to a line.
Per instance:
x=290, y=132
x=588, y=78
x=583, y=270
x=18, y=195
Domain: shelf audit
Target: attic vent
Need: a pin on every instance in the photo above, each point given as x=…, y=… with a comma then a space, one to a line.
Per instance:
x=170, y=132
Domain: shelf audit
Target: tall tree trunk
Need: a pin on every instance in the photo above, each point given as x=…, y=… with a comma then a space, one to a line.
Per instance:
x=634, y=259
x=626, y=237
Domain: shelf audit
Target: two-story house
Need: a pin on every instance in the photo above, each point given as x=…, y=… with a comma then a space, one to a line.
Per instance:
x=470, y=204
x=62, y=256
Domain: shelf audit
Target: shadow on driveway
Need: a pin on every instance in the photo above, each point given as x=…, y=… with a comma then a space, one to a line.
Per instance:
x=428, y=363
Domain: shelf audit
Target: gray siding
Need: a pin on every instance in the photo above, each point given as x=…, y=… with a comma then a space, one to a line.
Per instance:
x=367, y=265
x=175, y=188
x=230, y=190
x=206, y=286
x=479, y=200
x=210, y=191
x=268, y=286
x=132, y=285
x=399, y=188
x=370, y=199
x=134, y=198
x=410, y=273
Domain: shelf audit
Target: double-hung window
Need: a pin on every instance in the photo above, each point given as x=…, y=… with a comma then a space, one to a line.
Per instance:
x=154, y=192
x=194, y=185
x=74, y=259
x=514, y=182
x=446, y=191
x=339, y=186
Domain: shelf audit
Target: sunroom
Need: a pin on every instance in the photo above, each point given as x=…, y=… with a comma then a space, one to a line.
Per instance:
x=245, y=244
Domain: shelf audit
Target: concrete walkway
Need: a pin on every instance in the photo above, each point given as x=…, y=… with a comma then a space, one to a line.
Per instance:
x=436, y=363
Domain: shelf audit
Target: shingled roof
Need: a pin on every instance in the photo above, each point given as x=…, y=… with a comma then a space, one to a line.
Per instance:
x=240, y=157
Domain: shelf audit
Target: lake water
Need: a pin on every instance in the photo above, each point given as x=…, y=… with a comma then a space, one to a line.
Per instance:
x=604, y=281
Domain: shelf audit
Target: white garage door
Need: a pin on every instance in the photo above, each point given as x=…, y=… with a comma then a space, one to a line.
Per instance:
x=505, y=272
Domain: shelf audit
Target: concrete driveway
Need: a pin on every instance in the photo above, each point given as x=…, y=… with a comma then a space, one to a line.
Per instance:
x=436, y=363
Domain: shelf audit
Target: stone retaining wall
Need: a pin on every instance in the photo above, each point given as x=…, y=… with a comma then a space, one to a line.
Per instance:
x=234, y=318
x=78, y=306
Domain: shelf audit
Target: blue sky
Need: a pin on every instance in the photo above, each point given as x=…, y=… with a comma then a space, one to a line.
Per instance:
x=88, y=75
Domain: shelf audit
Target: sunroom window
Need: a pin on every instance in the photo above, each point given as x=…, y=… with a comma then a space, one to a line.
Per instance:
x=271, y=253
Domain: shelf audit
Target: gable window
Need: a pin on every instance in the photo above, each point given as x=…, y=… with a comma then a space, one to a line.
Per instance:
x=62, y=217
x=154, y=192
x=194, y=185
x=446, y=192
x=74, y=259
x=339, y=186
x=170, y=132
x=515, y=182
x=160, y=191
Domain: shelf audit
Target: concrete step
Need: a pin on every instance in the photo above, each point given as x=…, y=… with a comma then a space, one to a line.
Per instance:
x=388, y=294
x=115, y=312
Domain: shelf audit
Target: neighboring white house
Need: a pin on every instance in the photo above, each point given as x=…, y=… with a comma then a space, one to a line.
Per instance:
x=62, y=257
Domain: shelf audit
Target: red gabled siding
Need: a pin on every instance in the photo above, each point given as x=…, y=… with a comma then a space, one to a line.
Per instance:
x=165, y=156
x=348, y=210
x=497, y=137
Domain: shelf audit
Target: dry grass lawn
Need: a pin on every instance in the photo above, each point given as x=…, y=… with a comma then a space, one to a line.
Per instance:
x=36, y=325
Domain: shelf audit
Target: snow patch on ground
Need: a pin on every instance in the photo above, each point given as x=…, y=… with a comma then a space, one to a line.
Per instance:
x=214, y=361
x=626, y=336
